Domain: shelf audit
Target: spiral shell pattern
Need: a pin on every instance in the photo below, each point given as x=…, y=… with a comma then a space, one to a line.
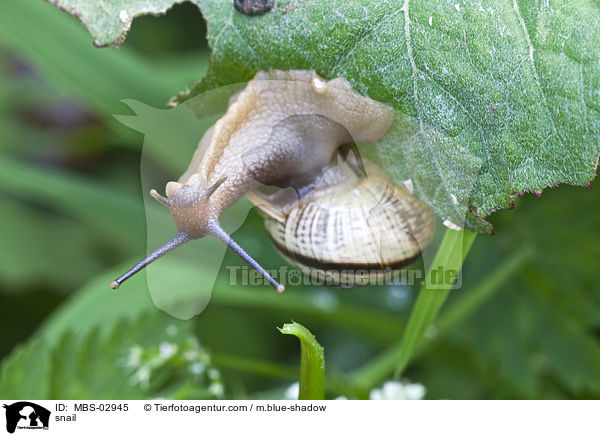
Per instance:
x=355, y=236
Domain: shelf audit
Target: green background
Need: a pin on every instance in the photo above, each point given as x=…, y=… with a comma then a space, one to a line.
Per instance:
x=72, y=216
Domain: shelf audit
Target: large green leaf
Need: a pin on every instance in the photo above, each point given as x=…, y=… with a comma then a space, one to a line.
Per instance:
x=492, y=99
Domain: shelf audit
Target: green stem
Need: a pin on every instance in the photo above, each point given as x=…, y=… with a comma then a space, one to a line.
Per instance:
x=379, y=368
x=374, y=372
x=449, y=258
x=335, y=383
x=312, y=362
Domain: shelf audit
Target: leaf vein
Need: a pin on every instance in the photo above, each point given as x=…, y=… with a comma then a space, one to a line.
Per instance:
x=405, y=8
x=534, y=68
x=368, y=32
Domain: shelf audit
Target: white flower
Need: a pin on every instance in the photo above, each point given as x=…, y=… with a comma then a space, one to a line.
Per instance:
x=196, y=368
x=414, y=391
x=292, y=392
x=216, y=389
x=134, y=357
x=142, y=376
x=167, y=350
x=191, y=355
x=393, y=390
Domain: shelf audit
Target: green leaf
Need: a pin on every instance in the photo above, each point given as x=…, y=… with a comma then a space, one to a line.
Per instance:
x=28, y=254
x=96, y=306
x=312, y=362
x=24, y=371
x=492, y=99
x=109, y=20
x=74, y=195
x=154, y=356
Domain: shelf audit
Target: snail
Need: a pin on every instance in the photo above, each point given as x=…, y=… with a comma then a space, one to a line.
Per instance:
x=286, y=129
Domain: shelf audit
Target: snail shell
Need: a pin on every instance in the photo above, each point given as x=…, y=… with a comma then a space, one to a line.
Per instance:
x=350, y=229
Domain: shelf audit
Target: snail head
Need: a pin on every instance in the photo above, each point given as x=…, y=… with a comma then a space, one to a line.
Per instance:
x=190, y=206
x=194, y=217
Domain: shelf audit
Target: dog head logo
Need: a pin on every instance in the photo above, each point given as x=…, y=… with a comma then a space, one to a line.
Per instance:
x=26, y=415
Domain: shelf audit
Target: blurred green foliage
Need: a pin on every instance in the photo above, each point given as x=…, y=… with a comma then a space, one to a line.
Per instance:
x=72, y=216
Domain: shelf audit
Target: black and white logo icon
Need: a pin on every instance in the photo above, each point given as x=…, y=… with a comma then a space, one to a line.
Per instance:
x=26, y=415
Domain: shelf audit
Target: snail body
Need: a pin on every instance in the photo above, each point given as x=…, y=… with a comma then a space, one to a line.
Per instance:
x=285, y=129
x=282, y=125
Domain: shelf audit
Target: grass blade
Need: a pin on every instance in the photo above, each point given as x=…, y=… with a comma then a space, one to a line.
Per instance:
x=449, y=257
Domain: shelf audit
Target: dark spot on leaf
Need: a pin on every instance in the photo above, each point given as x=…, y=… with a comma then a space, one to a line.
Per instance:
x=253, y=7
x=589, y=186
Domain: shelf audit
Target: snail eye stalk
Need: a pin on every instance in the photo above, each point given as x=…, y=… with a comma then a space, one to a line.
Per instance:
x=179, y=239
x=222, y=235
